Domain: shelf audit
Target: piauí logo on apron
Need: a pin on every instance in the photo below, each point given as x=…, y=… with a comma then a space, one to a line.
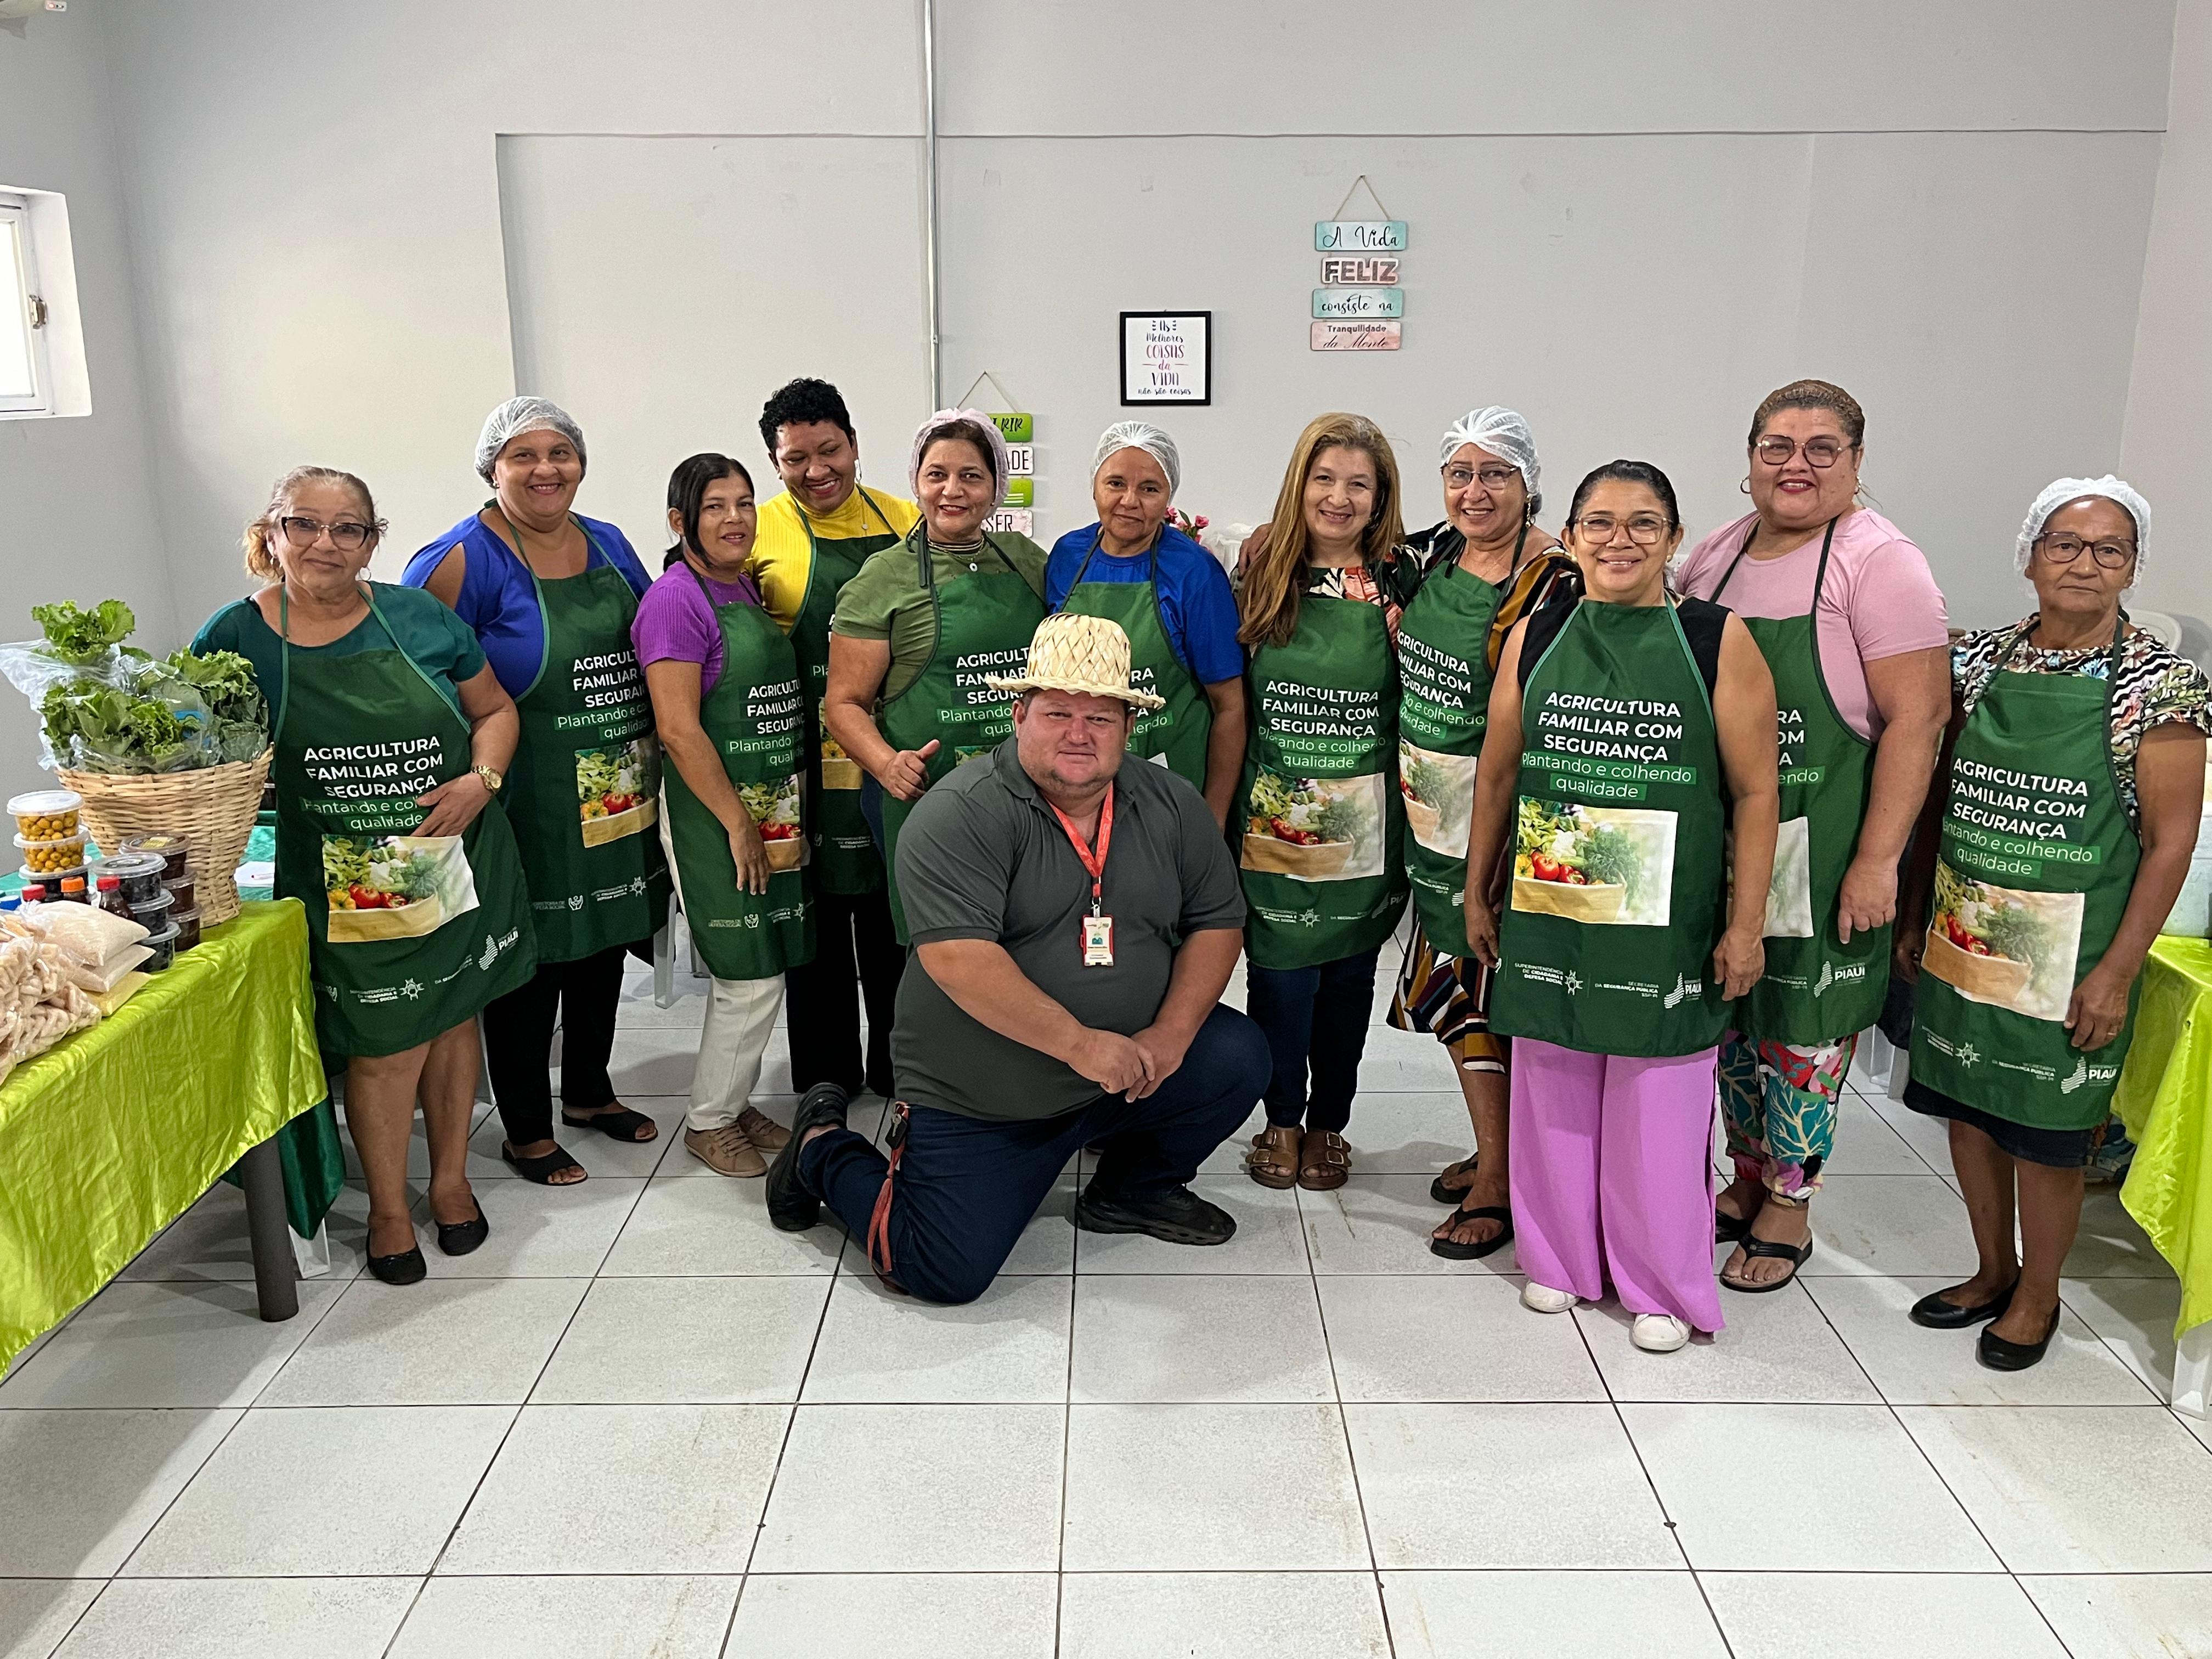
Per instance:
x=2085, y=1073
x=1683, y=991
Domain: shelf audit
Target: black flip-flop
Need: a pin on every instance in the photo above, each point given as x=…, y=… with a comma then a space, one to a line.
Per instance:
x=1452, y=1252
x=1442, y=1194
x=1795, y=1254
x=1730, y=1229
x=543, y=1168
x=621, y=1124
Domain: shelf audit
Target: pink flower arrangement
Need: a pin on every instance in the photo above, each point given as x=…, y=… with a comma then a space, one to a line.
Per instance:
x=1189, y=526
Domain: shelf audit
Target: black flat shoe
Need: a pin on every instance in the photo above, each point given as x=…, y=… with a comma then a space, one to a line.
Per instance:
x=1937, y=1314
x=791, y=1206
x=1999, y=1355
x=407, y=1267
x=459, y=1237
x=1181, y=1217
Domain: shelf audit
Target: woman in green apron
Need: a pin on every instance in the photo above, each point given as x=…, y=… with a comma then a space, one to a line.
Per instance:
x=1852, y=625
x=551, y=595
x=1486, y=567
x=1626, y=798
x=1172, y=598
x=2044, y=865
x=392, y=736
x=731, y=714
x=813, y=539
x=1318, y=812
x=917, y=631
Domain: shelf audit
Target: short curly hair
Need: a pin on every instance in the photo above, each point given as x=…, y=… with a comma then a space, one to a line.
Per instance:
x=801, y=403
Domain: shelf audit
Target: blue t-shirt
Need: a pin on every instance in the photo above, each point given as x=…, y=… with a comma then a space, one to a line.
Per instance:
x=438, y=641
x=498, y=599
x=1195, y=597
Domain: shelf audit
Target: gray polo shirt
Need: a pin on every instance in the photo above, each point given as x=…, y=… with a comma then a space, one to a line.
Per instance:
x=982, y=856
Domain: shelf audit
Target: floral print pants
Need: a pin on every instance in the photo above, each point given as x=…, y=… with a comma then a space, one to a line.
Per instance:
x=1779, y=1101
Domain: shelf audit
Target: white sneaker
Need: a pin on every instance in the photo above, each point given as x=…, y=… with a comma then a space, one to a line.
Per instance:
x=1542, y=1298
x=1659, y=1333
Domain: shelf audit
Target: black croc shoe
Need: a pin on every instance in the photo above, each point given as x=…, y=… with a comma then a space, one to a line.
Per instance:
x=790, y=1208
x=1180, y=1217
x=1937, y=1314
x=459, y=1237
x=1999, y=1355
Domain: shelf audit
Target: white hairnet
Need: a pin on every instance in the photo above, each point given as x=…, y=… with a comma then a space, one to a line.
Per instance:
x=518, y=415
x=2059, y=492
x=944, y=418
x=1504, y=434
x=1140, y=434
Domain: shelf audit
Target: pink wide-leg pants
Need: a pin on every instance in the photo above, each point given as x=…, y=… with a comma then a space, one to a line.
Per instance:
x=1612, y=1177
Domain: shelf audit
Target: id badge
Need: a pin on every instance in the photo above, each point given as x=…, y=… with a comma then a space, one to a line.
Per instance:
x=1098, y=941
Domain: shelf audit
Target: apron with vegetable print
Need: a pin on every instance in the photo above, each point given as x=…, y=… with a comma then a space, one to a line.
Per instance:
x=985, y=618
x=1443, y=658
x=753, y=717
x=1620, y=846
x=407, y=935
x=2036, y=863
x=584, y=790
x=1174, y=736
x=1318, y=802
x=1816, y=989
x=845, y=856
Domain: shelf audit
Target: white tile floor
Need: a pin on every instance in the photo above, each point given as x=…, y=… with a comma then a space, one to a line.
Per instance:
x=641, y=1421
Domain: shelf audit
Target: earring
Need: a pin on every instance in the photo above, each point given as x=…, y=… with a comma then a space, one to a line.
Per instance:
x=1745, y=485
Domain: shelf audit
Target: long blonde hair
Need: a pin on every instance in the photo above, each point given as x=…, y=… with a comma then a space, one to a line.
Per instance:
x=1272, y=577
x=260, y=557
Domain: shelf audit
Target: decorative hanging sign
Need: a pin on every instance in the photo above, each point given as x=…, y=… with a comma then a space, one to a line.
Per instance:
x=1010, y=521
x=1015, y=517
x=1358, y=336
x=1358, y=304
x=1167, y=357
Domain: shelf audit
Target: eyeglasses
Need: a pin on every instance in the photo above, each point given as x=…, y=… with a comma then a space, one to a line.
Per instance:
x=2064, y=549
x=1643, y=530
x=1776, y=450
x=347, y=537
x=1493, y=477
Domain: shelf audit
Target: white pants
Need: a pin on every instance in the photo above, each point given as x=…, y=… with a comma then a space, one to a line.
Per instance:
x=740, y=1020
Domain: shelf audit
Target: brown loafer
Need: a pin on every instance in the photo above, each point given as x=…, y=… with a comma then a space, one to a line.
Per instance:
x=1324, y=1161
x=763, y=1131
x=1273, y=1159
x=727, y=1151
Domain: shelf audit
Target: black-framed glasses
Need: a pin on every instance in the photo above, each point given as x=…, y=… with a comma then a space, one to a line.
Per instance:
x=1775, y=450
x=1459, y=476
x=348, y=537
x=1645, y=530
x=2062, y=549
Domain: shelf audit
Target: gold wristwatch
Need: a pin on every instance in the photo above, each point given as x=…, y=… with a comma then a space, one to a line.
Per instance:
x=492, y=780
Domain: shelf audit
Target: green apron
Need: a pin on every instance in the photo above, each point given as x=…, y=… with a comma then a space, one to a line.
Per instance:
x=1318, y=800
x=1816, y=988
x=2037, y=858
x=1621, y=824
x=845, y=857
x=754, y=717
x=408, y=936
x=1175, y=736
x=1443, y=660
x=984, y=621
x=584, y=789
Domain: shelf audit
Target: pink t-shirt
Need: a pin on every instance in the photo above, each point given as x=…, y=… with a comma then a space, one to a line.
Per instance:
x=675, y=621
x=1879, y=599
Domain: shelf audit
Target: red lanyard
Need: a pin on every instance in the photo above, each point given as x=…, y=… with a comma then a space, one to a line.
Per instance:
x=1094, y=862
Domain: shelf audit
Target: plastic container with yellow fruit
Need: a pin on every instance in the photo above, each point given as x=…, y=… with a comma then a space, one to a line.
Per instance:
x=62, y=853
x=45, y=815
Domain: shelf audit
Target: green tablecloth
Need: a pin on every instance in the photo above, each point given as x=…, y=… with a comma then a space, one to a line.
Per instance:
x=109, y=1136
x=2165, y=1098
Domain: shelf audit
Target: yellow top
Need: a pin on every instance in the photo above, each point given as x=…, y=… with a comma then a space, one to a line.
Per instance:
x=783, y=558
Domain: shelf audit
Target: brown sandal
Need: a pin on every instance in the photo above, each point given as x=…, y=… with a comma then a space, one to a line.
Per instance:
x=1324, y=1161
x=1273, y=1159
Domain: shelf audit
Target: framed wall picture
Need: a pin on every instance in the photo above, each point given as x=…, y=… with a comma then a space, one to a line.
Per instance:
x=1167, y=357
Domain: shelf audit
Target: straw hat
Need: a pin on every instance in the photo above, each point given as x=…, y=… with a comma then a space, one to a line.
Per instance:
x=1078, y=653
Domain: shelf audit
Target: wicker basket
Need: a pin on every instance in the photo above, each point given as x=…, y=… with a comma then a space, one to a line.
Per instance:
x=213, y=805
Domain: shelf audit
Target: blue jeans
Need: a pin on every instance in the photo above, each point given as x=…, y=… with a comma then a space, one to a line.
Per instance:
x=1315, y=1019
x=968, y=1186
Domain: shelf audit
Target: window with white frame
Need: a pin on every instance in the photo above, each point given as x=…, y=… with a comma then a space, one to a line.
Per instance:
x=25, y=381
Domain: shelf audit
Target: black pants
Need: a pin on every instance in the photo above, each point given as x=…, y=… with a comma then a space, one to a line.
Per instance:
x=968, y=1186
x=518, y=1031
x=1315, y=1019
x=857, y=957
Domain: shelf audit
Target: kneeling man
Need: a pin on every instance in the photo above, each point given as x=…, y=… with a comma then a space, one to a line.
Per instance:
x=1074, y=919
